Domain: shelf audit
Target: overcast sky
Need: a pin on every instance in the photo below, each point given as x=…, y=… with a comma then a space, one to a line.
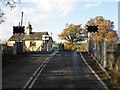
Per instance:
x=53, y=15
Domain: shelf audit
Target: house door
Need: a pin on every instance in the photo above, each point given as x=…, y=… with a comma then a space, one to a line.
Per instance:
x=19, y=47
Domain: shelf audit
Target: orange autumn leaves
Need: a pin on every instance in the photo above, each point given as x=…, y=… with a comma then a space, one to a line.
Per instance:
x=71, y=33
x=105, y=29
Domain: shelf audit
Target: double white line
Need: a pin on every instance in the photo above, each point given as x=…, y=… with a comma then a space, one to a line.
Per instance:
x=34, y=77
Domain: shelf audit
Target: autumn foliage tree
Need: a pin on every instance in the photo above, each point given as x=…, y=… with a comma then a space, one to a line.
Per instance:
x=105, y=29
x=71, y=34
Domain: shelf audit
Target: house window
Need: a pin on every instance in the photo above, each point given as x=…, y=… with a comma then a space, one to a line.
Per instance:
x=32, y=44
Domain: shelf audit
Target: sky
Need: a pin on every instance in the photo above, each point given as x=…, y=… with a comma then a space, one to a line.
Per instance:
x=53, y=15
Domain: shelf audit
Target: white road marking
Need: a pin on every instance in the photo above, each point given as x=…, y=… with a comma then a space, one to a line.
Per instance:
x=101, y=66
x=105, y=86
x=34, y=77
x=47, y=58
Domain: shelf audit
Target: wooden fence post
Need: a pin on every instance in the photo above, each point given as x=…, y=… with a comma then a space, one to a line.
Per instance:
x=104, y=48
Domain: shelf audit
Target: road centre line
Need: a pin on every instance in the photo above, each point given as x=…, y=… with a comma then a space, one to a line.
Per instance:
x=30, y=86
x=34, y=77
x=96, y=75
x=47, y=58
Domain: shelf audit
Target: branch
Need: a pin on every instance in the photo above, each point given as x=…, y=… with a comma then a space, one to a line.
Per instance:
x=11, y=4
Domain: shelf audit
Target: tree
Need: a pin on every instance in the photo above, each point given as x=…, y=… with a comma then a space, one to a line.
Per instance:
x=2, y=18
x=71, y=34
x=61, y=46
x=105, y=29
x=11, y=4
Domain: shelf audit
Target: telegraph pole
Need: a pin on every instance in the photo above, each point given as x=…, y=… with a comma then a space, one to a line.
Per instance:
x=21, y=18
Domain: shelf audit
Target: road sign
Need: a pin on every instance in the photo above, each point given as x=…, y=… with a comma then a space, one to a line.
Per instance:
x=18, y=29
x=45, y=37
x=92, y=28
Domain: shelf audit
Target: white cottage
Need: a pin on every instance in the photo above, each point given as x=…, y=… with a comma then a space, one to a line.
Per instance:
x=32, y=41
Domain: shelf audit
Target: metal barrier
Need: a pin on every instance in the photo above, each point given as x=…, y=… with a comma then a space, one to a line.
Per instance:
x=102, y=52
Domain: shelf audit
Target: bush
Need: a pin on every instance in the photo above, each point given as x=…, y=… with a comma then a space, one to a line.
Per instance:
x=117, y=51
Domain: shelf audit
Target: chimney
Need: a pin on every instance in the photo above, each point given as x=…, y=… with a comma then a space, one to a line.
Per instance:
x=29, y=29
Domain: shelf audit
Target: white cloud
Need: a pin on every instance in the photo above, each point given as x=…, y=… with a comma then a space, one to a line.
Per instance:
x=53, y=7
x=28, y=11
x=97, y=1
x=36, y=12
x=6, y=27
x=89, y=5
x=41, y=10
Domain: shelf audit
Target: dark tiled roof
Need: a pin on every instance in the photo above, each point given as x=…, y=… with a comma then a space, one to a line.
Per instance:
x=32, y=36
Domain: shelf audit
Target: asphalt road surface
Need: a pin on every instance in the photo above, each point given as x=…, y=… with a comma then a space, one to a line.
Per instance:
x=64, y=69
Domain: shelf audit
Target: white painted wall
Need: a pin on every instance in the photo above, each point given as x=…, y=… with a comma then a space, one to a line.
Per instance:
x=34, y=48
x=11, y=43
x=38, y=44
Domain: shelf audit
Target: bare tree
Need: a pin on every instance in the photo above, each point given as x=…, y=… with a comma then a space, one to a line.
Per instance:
x=11, y=3
x=2, y=18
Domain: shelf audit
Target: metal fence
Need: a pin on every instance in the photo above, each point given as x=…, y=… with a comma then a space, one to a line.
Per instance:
x=103, y=52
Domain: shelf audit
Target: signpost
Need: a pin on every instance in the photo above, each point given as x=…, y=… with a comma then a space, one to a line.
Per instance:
x=18, y=31
x=45, y=38
x=92, y=29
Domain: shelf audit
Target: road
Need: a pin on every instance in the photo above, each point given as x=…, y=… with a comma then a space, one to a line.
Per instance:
x=65, y=69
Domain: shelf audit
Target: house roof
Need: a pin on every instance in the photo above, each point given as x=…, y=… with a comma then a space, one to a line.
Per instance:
x=32, y=36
